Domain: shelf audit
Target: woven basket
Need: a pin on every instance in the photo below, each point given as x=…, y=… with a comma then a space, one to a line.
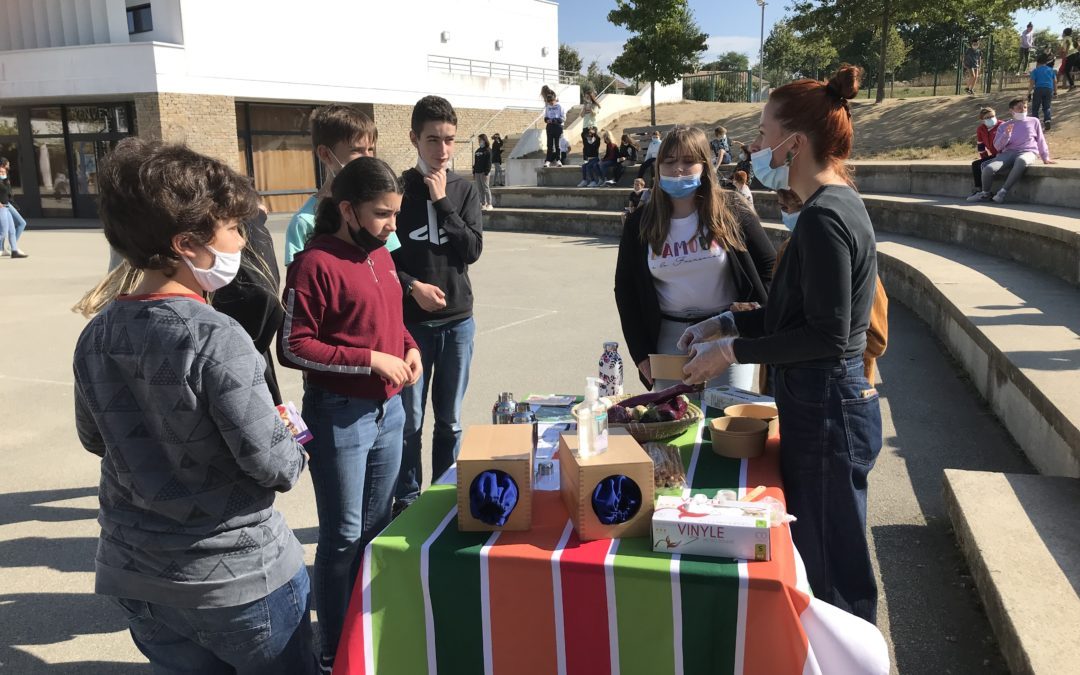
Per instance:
x=656, y=431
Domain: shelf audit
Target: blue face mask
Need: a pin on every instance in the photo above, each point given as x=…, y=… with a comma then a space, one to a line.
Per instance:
x=789, y=219
x=678, y=187
x=775, y=178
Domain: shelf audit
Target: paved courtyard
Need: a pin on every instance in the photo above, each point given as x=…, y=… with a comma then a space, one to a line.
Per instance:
x=544, y=308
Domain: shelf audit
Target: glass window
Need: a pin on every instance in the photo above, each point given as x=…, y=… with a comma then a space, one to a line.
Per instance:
x=97, y=119
x=280, y=118
x=53, y=180
x=242, y=149
x=88, y=155
x=9, y=125
x=139, y=19
x=241, y=118
x=46, y=122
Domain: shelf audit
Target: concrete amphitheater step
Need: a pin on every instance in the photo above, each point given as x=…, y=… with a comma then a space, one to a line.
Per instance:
x=1019, y=535
x=564, y=198
x=1046, y=238
x=555, y=221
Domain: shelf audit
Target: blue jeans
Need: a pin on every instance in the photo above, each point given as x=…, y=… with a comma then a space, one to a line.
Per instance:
x=446, y=352
x=7, y=229
x=615, y=166
x=355, y=455
x=1041, y=98
x=830, y=436
x=590, y=170
x=265, y=637
x=20, y=222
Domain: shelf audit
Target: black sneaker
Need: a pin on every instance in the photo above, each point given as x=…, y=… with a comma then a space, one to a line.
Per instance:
x=19, y=254
x=399, y=506
x=1046, y=126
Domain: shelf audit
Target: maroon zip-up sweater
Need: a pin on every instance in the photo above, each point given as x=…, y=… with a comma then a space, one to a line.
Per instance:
x=342, y=303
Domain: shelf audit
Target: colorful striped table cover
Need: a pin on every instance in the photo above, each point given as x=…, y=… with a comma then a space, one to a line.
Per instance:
x=431, y=599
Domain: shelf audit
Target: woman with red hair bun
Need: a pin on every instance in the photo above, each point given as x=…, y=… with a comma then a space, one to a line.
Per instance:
x=813, y=331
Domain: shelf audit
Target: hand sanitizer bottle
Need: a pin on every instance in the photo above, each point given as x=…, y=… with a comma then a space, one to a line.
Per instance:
x=591, y=416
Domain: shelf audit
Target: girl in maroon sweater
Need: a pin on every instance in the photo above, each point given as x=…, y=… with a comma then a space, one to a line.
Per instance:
x=343, y=327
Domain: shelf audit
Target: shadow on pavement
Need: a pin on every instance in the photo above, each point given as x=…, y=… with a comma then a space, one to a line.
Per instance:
x=66, y=554
x=50, y=618
x=19, y=507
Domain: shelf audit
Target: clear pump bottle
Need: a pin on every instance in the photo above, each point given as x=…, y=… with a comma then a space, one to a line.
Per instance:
x=591, y=417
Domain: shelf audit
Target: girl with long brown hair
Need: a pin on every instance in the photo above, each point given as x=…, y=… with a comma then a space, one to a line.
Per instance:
x=814, y=330
x=690, y=253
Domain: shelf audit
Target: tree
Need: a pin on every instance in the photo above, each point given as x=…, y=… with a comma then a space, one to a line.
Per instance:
x=729, y=61
x=569, y=59
x=821, y=17
x=595, y=79
x=665, y=42
x=789, y=55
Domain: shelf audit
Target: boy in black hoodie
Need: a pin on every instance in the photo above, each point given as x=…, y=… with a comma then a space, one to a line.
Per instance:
x=441, y=235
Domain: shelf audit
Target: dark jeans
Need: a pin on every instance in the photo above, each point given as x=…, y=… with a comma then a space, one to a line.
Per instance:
x=446, y=352
x=615, y=165
x=270, y=636
x=554, y=133
x=645, y=166
x=1071, y=63
x=355, y=458
x=830, y=436
x=976, y=171
x=590, y=170
x=1041, y=98
x=1022, y=64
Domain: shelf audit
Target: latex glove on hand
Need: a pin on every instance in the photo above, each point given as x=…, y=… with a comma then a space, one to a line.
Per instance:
x=709, y=360
x=722, y=325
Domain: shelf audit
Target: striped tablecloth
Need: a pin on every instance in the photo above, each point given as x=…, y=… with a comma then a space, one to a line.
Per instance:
x=433, y=600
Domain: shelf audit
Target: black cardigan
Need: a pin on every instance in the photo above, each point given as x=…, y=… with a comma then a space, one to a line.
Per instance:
x=635, y=292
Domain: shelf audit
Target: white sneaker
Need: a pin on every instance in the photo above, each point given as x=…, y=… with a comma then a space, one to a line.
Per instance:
x=558, y=163
x=609, y=182
x=547, y=164
x=4, y=254
x=979, y=197
x=1000, y=197
x=583, y=183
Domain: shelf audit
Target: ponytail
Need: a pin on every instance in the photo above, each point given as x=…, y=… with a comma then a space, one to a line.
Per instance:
x=361, y=180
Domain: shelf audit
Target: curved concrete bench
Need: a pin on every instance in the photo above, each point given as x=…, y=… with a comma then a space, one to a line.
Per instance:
x=1046, y=184
x=1045, y=238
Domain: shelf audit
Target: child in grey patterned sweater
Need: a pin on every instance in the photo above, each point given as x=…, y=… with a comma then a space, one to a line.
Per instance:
x=171, y=395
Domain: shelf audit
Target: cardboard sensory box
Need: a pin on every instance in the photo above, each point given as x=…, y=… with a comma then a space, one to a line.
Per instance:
x=496, y=447
x=579, y=477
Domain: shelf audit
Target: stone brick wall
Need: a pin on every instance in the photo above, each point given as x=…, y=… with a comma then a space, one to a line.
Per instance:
x=205, y=123
x=394, y=120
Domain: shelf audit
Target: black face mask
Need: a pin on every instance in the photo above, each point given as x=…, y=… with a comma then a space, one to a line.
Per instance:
x=364, y=239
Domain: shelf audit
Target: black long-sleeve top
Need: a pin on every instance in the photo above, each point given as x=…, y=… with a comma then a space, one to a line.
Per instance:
x=439, y=240
x=823, y=290
x=496, y=151
x=628, y=152
x=590, y=149
x=6, y=193
x=253, y=297
x=482, y=160
x=635, y=290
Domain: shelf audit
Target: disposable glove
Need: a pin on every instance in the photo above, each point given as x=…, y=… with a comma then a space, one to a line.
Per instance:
x=722, y=325
x=709, y=359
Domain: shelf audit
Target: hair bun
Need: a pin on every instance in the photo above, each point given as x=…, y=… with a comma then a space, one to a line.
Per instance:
x=845, y=84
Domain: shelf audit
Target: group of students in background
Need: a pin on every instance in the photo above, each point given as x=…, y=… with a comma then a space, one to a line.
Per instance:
x=1066, y=55
x=1011, y=145
x=177, y=396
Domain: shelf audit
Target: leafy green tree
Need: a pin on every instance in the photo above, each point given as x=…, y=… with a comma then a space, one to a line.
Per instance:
x=665, y=42
x=789, y=54
x=569, y=59
x=728, y=62
x=821, y=17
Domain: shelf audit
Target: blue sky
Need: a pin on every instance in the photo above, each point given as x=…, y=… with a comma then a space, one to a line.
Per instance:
x=732, y=25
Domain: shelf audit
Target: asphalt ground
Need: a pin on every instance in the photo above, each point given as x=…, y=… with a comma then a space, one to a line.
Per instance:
x=544, y=308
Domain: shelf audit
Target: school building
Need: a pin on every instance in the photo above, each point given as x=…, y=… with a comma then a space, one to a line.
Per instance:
x=237, y=79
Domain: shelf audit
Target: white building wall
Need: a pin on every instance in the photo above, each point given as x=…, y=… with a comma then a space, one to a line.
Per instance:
x=284, y=50
x=43, y=24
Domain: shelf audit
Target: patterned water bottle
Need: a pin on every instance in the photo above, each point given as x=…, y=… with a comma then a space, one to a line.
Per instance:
x=611, y=370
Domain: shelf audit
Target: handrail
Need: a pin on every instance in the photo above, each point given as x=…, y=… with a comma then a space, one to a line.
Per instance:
x=474, y=67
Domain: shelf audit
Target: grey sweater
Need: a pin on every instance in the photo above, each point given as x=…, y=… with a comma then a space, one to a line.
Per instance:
x=170, y=394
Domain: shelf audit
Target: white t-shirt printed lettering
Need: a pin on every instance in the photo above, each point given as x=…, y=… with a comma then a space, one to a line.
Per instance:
x=692, y=279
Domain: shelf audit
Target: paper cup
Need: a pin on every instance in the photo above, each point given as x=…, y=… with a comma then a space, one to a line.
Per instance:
x=738, y=437
x=767, y=413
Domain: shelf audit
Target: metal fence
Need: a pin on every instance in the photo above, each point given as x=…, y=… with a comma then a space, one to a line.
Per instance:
x=510, y=71
x=724, y=86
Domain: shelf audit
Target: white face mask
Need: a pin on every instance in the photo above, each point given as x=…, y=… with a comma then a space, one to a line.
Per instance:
x=220, y=274
x=1019, y=115
x=990, y=122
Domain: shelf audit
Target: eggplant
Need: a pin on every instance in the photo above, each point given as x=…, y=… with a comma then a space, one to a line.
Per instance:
x=617, y=414
x=661, y=396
